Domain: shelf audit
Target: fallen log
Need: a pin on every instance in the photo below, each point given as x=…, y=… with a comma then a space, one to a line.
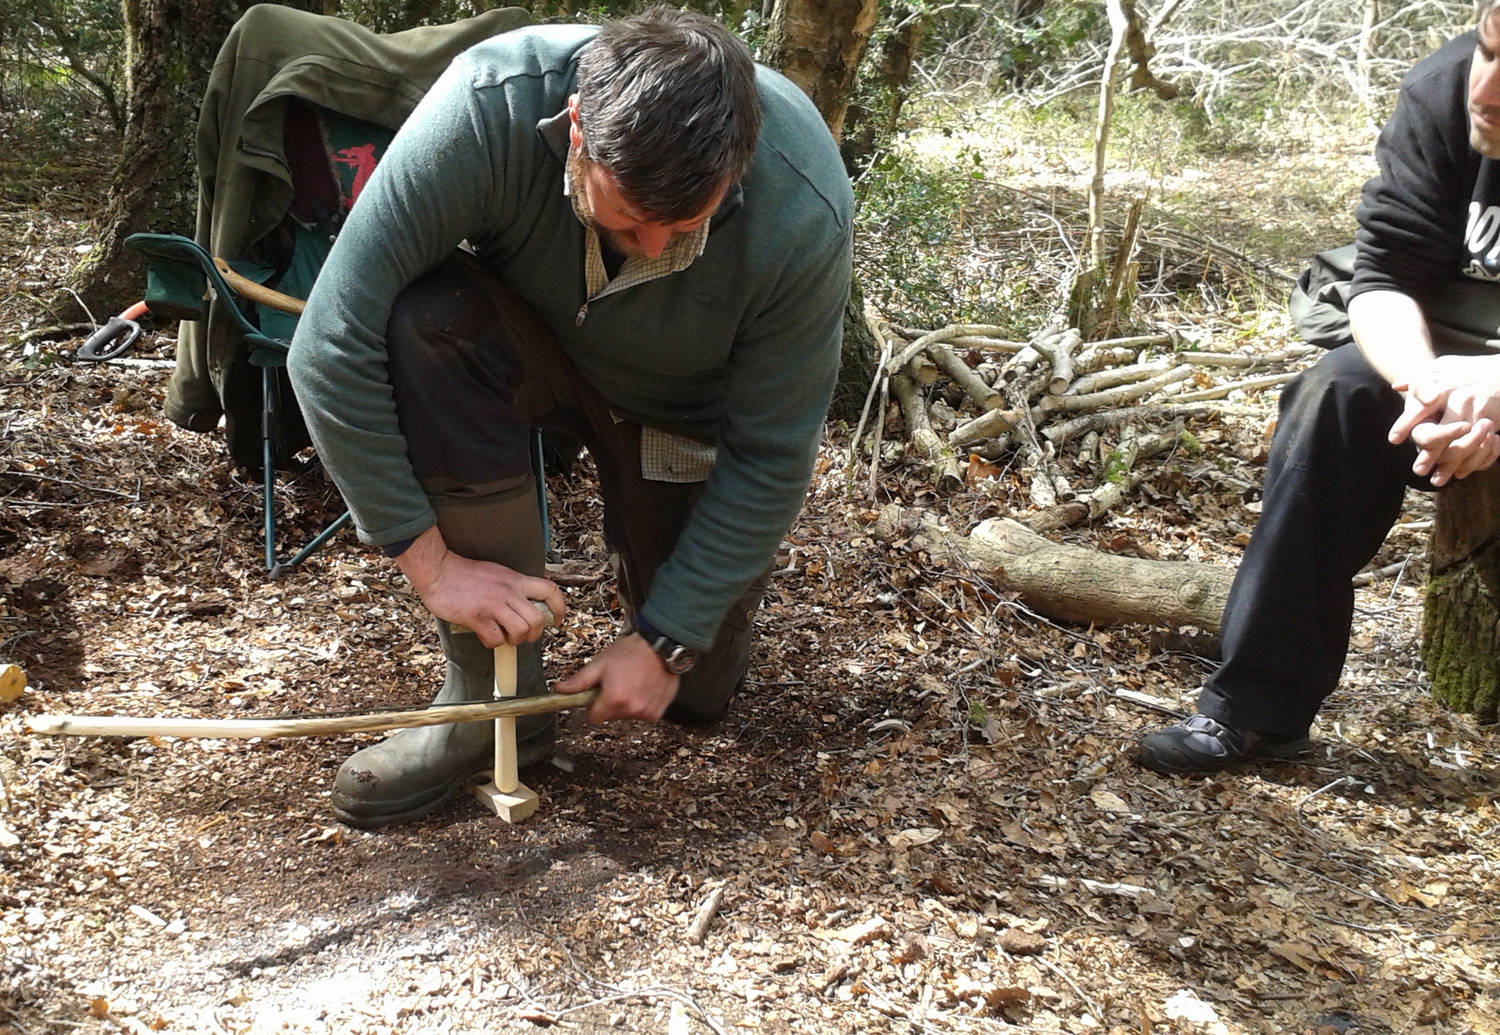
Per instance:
x=959, y=372
x=1058, y=352
x=1249, y=384
x=987, y=425
x=1069, y=583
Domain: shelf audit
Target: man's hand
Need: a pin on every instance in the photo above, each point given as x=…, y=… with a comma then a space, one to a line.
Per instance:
x=491, y=599
x=1451, y=414
x=632, y=682
x=1457, y=450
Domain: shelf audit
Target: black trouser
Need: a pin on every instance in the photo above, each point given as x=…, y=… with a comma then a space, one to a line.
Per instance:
x=1333, y=489
x=473, y=369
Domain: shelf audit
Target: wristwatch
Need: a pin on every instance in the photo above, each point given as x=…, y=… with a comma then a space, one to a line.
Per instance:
x=675, y=658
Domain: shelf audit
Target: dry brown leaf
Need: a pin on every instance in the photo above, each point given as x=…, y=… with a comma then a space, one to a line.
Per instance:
x=1022, y=943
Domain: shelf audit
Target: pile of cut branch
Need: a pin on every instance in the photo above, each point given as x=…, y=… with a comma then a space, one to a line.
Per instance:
x=975, y=403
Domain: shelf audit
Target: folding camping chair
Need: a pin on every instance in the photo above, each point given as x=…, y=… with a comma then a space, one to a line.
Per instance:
x=330, y=156
x=296, y=114
x=181, y=263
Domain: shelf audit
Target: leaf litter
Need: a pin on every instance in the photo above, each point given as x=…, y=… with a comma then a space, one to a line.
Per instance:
x=920, y=815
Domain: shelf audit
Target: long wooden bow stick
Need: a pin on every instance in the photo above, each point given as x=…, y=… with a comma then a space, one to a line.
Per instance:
x=317, y=726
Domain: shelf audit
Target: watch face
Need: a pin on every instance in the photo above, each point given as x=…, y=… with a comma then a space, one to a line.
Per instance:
x=675, y=658
x=679, y=659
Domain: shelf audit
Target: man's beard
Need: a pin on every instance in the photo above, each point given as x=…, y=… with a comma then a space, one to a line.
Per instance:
x=616, y=240
x=1487, y=145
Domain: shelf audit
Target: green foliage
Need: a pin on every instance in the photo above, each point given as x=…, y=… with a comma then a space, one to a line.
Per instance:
x=978, y=716
x=1024, y=47
x=922, y=218
x=61, y=61
x=1116, y=469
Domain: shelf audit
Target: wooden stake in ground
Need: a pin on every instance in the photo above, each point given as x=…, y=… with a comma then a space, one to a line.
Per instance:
x=505, y=795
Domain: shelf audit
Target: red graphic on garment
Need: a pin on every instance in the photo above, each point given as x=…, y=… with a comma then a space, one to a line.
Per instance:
x=361, y=159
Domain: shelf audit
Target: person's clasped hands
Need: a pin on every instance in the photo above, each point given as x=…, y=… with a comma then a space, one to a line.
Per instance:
x=1452, y=414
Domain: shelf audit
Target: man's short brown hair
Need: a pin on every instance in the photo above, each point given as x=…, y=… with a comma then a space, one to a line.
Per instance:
x=667, y=103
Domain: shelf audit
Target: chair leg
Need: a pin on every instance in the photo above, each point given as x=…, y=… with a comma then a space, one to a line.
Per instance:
x=269, y=425
x=268, y=461
x=539, y=471
x=282, y=567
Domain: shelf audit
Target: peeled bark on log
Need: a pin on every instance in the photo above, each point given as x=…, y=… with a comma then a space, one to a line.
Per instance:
x=1043, y=489
x=1069, y=583
x=1093, y=358
x=1059, y=352
x=960, y=373
x=947, y=475
x=1461, y=604
x=986, y=425
x=1244, y=361
x=1112, y=377
x=983, y=342
x=956, y=330
x=1247, y=385
x=1115, y=396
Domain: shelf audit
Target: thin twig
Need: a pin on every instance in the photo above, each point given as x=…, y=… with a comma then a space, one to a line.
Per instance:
x=1343, y=781
x=1080, y=993
x=706, y=913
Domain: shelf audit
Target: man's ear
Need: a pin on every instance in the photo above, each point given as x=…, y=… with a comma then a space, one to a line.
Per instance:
x=575, y=127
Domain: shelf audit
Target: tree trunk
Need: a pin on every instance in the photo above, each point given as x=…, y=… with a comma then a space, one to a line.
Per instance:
x=1083, y=302
x=818, y=44
x=856, y=362
x=170, y=47
x=868, y=124
x=1069, y=583
x=1461, y=606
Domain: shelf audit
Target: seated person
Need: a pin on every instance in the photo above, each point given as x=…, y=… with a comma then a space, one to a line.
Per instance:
x=1415, y=403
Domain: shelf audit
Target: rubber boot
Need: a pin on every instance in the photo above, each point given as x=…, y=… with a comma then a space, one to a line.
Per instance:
x=415, y=771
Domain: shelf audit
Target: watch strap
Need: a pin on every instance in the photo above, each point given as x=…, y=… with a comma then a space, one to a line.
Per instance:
x=675, y=657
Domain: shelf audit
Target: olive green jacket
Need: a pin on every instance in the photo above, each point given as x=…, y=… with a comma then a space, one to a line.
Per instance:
x=245, y=186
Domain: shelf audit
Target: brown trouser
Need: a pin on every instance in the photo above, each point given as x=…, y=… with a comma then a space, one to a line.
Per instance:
x=473, y=369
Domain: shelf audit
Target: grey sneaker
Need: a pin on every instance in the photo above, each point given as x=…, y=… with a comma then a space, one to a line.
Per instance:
x=1204, y=745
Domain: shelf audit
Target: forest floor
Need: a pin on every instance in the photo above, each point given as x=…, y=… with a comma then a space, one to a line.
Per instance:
x=922, y=815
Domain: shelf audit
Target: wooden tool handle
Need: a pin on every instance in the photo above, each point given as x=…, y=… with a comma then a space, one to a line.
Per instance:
x=259, y=292
x=246, y=729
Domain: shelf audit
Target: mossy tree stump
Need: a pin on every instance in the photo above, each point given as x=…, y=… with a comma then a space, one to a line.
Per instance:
x=1461, y=605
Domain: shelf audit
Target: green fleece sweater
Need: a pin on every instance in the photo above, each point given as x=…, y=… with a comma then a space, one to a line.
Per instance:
x=741, y=349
